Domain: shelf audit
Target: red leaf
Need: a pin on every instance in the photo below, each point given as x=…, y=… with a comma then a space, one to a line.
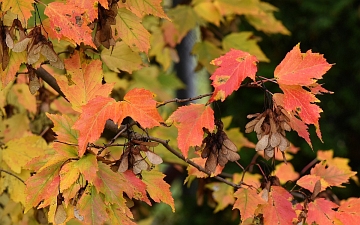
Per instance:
x=301, y=68
x=247, y=201
x=135, y=187
x=320, y=212
x=68, y=20
x=279, y=209
x=349, y=211
x=189, y=121
x=83, y=81
x=235, y=66
x=157, y=188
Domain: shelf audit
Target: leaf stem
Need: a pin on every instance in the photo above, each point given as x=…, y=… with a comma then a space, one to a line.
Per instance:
x=14, y=175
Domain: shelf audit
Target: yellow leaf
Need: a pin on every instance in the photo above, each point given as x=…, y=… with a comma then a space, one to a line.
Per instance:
x=18, y=152
x=209, y=12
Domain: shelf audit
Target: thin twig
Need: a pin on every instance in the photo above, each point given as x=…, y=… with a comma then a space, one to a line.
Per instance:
x=183, y=100
x=200, y=168
x=14, y=175
x=308, y=166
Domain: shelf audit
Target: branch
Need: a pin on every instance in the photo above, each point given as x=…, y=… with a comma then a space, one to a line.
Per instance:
x=184, y=100
x=14, y=175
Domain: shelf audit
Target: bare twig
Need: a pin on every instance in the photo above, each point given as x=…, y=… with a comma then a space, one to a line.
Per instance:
x=14, y=175
x=183, y=100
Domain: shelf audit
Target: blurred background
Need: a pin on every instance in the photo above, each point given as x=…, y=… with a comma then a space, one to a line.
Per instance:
x=329, y=27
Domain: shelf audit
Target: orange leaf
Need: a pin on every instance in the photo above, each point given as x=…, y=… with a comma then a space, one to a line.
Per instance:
x=68, y=20
x=320, y=212
x=89, y=6
x=309, y=181
x=157, y=188
x=349, y=211
x=92, y=120
x=331, y=174
x=301, y=68
x=131, y=31
x=234, y=67
x=138, y=104
x=279, y=208
x=222, y=194
x=83, y=81
x=189, y=121
x=247, y=201
x=286, y=172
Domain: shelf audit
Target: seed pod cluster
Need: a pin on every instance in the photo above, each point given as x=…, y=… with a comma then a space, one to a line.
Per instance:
x=218, y=149
x=133, y=159
x=270, y=127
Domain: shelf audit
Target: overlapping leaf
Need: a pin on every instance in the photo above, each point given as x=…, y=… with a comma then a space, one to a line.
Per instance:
x=8, y=75
x=43, y=185
x=129, y=28
x=121, y=58
x=278, y=210
x=296, y=71
x=234, y=67
x=247, y=201
x=190, y=121
x=83, y=82
x=141, y=7
x=92, y=207
x=157, y=188
x=320, y=212
x=328, y=175
x=138, y=104
x=223, y=194
x=349, y=211
x=21, y=8
x=68, y=20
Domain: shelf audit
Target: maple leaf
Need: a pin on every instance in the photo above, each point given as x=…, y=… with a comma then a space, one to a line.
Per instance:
x=92, y=207
x=177, y=15
x=24, y=97
x=69, y=173
x=121, y=58
x=286, y=172
x=42, y=185
x=222, y=194
x=157, y=188
x=129, y=28
x=279, y=209
x=87, y=166
x=320, y=212
x=16, y=59
x=62, y=128
x=68, y=20
x=247, y=201
x=18, y=152
x=348, y=212
x=89, y=6
x=206, y=51
x=83, y=82
x=141, y=7
x=190, y=120
x=227, y=7
x=138, y=104
x=21, y=8
x=245, y=42
x=301, y=68
x=234, y=67
x=208, y=11
x=135, y=187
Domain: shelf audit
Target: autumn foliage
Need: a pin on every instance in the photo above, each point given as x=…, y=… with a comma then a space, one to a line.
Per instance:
x=75, y=72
